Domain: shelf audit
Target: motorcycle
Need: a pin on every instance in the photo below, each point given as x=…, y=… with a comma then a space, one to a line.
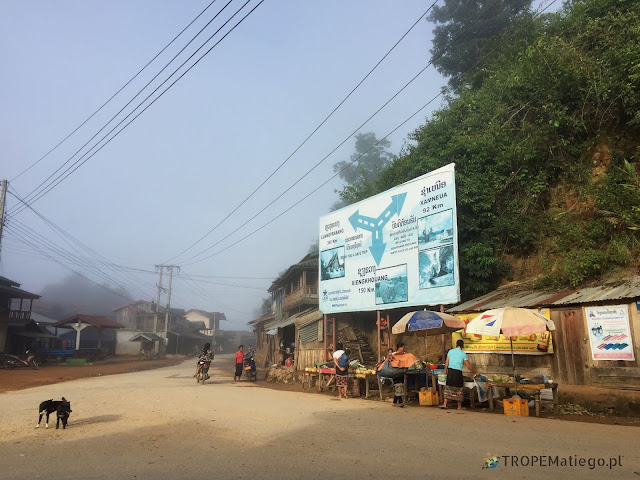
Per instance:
x=203, y=374
x=13, y=361
x=250, y=367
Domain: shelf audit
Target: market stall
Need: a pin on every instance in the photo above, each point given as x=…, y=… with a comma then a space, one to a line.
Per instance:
x=427, y=323
x=512, y=322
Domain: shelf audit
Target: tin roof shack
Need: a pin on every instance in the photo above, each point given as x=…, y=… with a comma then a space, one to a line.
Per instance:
x=293, y=293
x=15, y=308
x=94, y=335
x=597, y=335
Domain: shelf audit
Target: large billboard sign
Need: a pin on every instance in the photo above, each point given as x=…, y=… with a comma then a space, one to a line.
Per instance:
x=396, y=249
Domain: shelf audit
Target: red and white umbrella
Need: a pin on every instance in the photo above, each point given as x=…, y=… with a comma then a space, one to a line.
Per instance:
x=510, y=321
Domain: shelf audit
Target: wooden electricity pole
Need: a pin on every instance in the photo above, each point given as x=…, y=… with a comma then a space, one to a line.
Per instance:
x=3, y=196
x=166, y=318
x=155, y=317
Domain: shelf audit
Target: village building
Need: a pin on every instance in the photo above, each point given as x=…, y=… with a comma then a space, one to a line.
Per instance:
x=583, y=353
x=211, y=321
x=294, y=297
x=17, y=330
x=142, y=317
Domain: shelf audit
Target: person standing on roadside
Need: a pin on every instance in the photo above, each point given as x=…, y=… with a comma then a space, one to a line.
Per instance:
x=456, y=358
x=239, y=362
x=341, y=364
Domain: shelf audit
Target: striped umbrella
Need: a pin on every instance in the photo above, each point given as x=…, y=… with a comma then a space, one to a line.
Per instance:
x=511, y=322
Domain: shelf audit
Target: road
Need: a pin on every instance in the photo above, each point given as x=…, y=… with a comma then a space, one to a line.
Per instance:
x=161, y=424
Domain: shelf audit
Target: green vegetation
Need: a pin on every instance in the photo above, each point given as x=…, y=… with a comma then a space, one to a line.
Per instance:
x=545, y=141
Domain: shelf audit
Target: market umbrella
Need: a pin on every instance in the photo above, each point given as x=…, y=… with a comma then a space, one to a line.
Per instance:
x=432, y=323
x=511, y=322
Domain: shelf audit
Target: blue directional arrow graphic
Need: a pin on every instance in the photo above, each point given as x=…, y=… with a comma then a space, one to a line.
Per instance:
x=375, y=225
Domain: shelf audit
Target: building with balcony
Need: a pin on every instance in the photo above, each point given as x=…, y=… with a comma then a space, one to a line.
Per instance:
x=15, y=308
x=294, y=297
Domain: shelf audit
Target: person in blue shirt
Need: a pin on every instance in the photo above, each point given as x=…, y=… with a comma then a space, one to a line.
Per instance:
x=456, y=358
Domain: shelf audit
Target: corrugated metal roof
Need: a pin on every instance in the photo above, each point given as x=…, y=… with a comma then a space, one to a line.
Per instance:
x=518, y=296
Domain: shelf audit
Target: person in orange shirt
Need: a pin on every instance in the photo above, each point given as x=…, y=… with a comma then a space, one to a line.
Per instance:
x=239, y=362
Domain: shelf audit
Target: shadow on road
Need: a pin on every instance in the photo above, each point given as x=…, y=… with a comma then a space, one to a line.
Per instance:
x=93, y=420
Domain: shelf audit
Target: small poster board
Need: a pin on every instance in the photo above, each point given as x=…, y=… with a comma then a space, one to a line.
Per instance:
x=609, y=333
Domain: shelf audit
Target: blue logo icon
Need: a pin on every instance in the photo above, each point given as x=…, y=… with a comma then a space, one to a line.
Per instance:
x=491, y=463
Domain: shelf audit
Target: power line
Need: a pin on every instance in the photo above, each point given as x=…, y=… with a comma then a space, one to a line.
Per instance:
x=63, y=233
x=79, y=162
x=335, y=109
x=541, y=10
x=112, y=96
x=23, y=231
x=222, y=284
x=350, y=135
x=204, y=295
x=67, y=267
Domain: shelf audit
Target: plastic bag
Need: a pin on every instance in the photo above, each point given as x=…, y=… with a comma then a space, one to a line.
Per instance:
x=391, y=372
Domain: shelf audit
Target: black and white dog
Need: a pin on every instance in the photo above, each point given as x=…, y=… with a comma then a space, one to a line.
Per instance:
x=61, y=407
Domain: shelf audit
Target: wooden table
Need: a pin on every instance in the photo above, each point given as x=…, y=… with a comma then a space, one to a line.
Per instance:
x=528, y=387
x=368, y=378
x=332, y=377
x=417, y=373
x=308, y=377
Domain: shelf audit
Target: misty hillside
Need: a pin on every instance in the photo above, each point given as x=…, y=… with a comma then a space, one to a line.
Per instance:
x=545, y=138
x=75, y=294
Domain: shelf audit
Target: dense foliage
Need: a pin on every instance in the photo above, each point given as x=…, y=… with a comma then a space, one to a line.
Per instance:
x=467, y=30
x=545, y=141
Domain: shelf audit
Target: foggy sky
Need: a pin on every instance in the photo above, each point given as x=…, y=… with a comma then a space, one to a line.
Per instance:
x=197, y=152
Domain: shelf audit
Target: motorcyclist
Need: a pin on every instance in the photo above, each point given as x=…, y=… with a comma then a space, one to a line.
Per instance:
x=206, y=355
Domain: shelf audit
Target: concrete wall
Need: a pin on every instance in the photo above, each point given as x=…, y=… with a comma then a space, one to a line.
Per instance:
x=127, y=317
x=123, y=345
x=198, y=317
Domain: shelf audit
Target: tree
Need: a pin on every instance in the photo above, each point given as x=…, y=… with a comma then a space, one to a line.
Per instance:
x=461, y=41
x=360, y=173
x=314, y=247
x=264, y=308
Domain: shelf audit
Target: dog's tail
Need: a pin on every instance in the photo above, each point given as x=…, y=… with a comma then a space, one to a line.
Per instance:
x=64, y=399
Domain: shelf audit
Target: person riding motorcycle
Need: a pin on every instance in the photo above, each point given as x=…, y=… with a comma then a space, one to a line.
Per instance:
x=206, y=355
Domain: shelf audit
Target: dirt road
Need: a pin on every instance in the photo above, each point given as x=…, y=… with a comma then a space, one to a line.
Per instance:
x=161, y=424
x=22, y=378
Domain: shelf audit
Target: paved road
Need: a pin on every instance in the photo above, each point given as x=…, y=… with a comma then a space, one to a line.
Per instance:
x=161, y=424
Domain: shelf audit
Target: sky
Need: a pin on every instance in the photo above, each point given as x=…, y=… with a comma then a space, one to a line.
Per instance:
x=204, y=146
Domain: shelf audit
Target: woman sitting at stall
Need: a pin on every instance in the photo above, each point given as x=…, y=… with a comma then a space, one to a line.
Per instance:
x=400, y=359
x=453, y=390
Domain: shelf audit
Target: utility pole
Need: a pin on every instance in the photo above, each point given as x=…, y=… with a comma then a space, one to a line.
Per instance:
x=3, y=196
x=155, y=317
x=167, y=314
x=166, y=318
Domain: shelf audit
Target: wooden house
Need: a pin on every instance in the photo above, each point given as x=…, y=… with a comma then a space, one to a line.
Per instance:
x=15, y=310
x=576, y=359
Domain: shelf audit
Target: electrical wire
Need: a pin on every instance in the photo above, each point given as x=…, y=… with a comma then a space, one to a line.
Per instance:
x=350, y=135
x=82, y=160
x=114, y=95
x=335, y=109
x=116, y=269
x=540, y=11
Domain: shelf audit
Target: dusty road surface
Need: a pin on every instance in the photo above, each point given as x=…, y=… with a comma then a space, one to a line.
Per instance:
x=21, y=378
x=161, y=424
